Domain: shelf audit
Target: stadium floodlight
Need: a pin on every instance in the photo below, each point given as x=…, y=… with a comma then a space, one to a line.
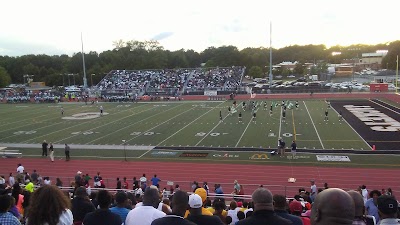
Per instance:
x=84, y=68
x=270, y=54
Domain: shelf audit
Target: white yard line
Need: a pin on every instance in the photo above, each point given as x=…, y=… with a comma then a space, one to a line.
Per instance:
x=143, y=154
x=132, y=124
x=90, y=121
x=353, y=129
x=385, y=107
x=320, y=141
x=189, y=124
x=25, y=125
x=214, y=128
x=159, y=124
x=58, y=141
x=243, y=132
x=386, y=103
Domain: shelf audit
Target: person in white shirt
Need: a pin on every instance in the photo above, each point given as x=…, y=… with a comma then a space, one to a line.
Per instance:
x=143, y=180
x=20, y=168
x=364, y=193
x=313, y=192
x=11, y=180
x=144, y=215
x=232, y=212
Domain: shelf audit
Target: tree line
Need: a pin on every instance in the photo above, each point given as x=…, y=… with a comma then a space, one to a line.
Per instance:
x=137, y=55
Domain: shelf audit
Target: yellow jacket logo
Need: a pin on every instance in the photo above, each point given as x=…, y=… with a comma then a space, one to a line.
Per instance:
x=259, y=156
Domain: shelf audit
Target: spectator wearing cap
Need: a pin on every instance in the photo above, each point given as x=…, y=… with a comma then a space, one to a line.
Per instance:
x=179, y=204
x=263, y=210
x=121, y=198
x=147, y=213
x=371, y=203
x=280, y=210
x=34, y=176
x=296, y=208
x=81, y=205
x=103, y=216
x=333, y=207
x=388, y=209
x=5, y=216
x=203, y=195
x=196, y=213
x=359, y=218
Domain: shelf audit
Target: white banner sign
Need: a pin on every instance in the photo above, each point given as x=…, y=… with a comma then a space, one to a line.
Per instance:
x=333, y=158
x=211, y=93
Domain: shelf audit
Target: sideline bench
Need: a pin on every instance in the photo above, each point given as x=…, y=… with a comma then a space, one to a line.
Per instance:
x=8, y=153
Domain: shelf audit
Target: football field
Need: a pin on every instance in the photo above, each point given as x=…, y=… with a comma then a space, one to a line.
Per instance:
x=177, y=124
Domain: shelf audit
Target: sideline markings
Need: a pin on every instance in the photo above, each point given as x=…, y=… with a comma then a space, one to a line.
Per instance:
x=314, y=126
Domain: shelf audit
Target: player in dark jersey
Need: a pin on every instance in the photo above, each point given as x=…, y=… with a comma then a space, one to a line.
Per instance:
x=270, y=110
x=297, y=105
x=284, y=116
x=220, y=115
x=240, y=117
x=326, y=115
x=254, y=117
x=244, y=106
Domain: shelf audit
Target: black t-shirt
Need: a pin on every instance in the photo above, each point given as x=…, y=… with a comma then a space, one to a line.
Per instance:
x=44, y=145
x=102, y=217
x=119, y=184
x=81, y=207
x=205, y=220
x=172, y=219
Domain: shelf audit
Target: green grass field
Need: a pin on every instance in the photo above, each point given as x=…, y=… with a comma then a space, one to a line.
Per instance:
x=175, y=124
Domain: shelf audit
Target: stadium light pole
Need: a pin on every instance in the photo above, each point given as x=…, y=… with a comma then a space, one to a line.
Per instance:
x=397, y=74
x=124, y=143
x=84, y=68
x=270, y=54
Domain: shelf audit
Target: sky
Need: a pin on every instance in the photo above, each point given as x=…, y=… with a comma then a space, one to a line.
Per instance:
x=54, y=27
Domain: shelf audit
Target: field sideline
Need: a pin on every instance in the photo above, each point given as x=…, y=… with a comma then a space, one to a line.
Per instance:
x=176, y=124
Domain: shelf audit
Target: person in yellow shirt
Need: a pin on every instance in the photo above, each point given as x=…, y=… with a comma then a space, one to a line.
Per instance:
x=29, y=186
x=203, y=194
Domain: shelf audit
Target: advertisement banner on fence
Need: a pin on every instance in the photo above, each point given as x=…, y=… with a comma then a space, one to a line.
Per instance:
x=210, y=93
x=333, y=158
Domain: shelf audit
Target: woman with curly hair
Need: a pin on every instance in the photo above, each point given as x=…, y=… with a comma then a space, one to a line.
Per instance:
x=49, y=206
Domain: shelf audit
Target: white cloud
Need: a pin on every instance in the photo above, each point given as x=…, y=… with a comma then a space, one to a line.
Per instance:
x=55, y=26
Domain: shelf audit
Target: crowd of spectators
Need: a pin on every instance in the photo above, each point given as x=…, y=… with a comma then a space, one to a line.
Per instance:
x=49, y=204
x=216, y=78
x=198, y=79
x=126, y=79
x=28, y=96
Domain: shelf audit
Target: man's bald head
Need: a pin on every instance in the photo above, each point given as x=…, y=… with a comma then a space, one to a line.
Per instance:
x=358, y=202
x=262, y=199
x=333, y=207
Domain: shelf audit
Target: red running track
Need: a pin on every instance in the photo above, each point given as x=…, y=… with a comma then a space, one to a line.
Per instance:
x=183, y=173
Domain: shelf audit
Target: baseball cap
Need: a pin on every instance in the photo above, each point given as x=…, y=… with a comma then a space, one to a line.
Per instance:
x=387, y=204
x=195, y=201
x=202, y=193
x=295, y=206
